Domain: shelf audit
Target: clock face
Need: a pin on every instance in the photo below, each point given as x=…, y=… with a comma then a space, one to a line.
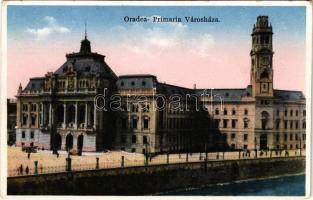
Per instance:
x=264, y=61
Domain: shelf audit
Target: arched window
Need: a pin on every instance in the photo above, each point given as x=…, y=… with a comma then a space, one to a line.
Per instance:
x=264, y=119
x=145, y=122
x=24, y=120
x=33, y=119
x=233, y=111
x=264, y=74
x=245, y=122
x=225, y=111
x=71, y=114
x=217, y=112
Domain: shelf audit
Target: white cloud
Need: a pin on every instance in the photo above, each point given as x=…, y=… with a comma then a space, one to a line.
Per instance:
x=51, y=27
x=152, y=38
x=202, y=44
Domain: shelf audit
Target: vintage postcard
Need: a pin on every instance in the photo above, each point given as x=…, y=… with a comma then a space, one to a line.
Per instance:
x=162, y=99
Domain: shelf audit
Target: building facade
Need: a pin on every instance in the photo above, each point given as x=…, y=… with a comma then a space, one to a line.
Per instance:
x=84, y=105
x=11, y=120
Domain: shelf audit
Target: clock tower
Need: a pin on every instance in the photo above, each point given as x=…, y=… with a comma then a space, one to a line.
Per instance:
x=262, y=58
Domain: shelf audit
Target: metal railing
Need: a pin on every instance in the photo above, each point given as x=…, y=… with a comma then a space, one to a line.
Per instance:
x=162, y=159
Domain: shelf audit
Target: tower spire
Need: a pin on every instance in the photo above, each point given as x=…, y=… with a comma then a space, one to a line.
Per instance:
x=85, y=47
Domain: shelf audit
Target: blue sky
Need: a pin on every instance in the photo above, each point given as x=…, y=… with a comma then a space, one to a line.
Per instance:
x=99, y=18
x=40, y=36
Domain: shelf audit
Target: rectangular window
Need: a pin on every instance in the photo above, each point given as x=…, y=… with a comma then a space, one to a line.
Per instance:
x=291, y=137
x=296, y=137
x=23, y=134
x=277, y=124
x=25, y=107
x=225, y=122
x=144, y=140
x=134, y=123
x=303, y=137
x=145, y=123
x=286, y=112
x=277, y=112
x=285, y=124
x=297, y=113
x=277, y=137
x=134, y=139
x=245, y=137
x=233, y=146
x=291, y=147
x=297, y=124
x=233, y=136
x=233, y=123
x=285, y=137
x=291, y=124
x=31, y=135
x=304, y=113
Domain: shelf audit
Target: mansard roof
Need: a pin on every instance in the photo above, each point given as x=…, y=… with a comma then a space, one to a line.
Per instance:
x=86, y=62
x=173, y=89
x=289, y=95
x=136, y=81
x=228, y=95
x=34, y=84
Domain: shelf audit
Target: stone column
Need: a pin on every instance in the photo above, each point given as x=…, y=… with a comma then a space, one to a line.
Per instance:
x=76, y=111
x=64, y=115
x=94, y=117
x=86, y=115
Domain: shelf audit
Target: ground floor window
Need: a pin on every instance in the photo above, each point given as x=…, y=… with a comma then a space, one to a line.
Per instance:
x=134, y=138
x=133, y=150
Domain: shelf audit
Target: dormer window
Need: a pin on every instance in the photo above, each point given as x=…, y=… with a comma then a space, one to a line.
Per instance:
x=132, y=83
x=87, y=69
x=122, y=83
x=143, y=83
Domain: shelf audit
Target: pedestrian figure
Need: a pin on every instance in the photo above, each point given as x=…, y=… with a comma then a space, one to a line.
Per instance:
x=21, y=169
x=179, y=156
x=58, y=154
x=28, y=155
x=27, y=170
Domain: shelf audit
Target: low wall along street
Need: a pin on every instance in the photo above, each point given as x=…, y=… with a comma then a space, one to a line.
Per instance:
x=152, y=179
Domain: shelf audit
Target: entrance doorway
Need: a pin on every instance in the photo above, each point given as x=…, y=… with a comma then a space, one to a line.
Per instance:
x=80, y=143
x=69, y=142
x=263, y=142
x=58, y=141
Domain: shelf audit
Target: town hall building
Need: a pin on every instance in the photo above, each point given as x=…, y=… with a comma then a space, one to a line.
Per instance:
x=61, y=110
